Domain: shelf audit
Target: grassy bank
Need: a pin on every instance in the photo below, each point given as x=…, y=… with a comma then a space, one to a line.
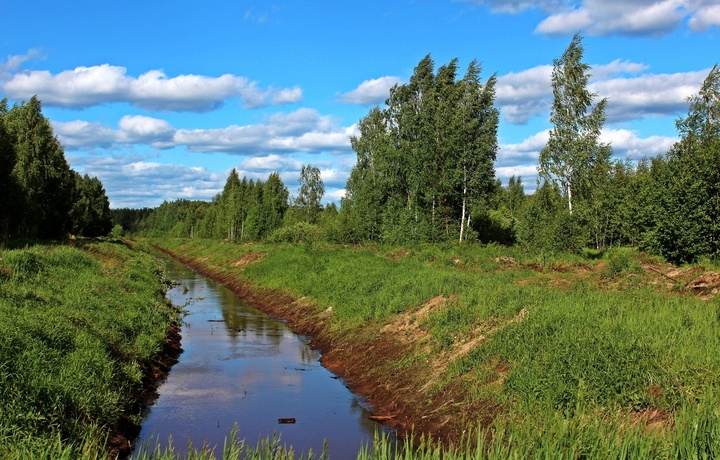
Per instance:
x=603, y=355
x=81, y=331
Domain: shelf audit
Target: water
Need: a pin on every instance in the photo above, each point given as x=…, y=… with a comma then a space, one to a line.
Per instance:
x=241, y=366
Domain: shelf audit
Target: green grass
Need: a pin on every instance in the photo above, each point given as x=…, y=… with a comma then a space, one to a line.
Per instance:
x=576, y=347
x=78, y=326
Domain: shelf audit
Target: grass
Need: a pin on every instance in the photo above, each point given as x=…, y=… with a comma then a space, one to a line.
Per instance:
x=588, y=355
x=79, y=327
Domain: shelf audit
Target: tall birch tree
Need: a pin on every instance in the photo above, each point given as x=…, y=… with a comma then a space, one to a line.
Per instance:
x=573, y=150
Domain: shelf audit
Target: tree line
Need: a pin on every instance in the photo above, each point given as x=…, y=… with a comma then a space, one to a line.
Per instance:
x=425, y=174
x=40, y=196
x=246, y=210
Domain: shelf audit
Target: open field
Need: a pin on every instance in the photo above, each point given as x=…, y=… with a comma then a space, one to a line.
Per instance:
x=82, y=333
x=597, y=356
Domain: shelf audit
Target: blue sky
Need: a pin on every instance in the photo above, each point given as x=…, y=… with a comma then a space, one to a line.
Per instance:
x=161, y=99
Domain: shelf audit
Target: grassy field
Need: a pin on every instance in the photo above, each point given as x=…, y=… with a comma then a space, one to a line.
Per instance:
x=599, y=355
x=80, y=328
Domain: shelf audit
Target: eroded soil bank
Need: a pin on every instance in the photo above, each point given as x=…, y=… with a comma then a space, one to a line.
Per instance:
x=366, y=359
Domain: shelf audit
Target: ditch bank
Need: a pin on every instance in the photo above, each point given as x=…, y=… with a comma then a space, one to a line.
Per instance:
x=155, y=373
x=368, y=360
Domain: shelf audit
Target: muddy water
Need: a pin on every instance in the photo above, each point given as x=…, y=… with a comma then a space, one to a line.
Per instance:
x=241, y=366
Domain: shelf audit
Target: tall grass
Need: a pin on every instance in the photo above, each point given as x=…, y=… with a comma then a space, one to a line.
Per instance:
x=576, y=352
x=78, y=326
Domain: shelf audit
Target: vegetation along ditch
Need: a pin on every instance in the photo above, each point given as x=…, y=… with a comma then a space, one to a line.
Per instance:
x=85, y=336
x=576, y=355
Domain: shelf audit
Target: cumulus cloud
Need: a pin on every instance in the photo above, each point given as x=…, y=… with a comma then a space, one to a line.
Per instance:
x=303, y=130
x=270, y=163
x=524, y=95
x=153, y=90
x=706, y=16
x=605, y=17
x=336, y=195
x=524, y=152
x=121, y=175
x=370, y=92
x=15, y=62
x=648, y=95
x=627, y=144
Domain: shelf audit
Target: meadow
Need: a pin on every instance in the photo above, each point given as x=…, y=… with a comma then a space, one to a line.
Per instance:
x=82, y=328
x=507, y=353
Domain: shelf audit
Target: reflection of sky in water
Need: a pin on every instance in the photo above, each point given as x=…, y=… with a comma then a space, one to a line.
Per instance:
x=251, y=370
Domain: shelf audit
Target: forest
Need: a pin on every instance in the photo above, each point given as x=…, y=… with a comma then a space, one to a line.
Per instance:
x=424, y=174
x=40, y=196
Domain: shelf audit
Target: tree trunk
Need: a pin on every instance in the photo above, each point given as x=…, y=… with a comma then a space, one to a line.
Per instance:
x=464, y=200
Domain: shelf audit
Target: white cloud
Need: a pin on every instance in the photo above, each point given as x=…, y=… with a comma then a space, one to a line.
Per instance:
x=15, y=62
x=303, y=130
x=370, y=92
x=517, y=6
x=153, y=90
x=335, y=195
x=705, y=16
x=526, y=151
x=270, y=163
x=287, y=96
x=605, y=17
x=141, y=129
x=80, y=134
x=524, y=95
x=121, y=175
x=627, y=144
x=648, y=95
x=521, y=159
x=616, y=67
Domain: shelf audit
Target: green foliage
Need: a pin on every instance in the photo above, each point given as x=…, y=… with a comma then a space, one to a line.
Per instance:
x=41, y=174
x=573, y=156
x=310, y=194
x=245, y=210
x=117, y=231
x=687, y=225
x=299, y=232
x=77, y=329
x=40, y=196
x=90, y=213
x=425, y=162
x=621, y=261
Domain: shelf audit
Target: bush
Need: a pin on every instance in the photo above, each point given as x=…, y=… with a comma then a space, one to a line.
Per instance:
x=299, y=232
x=117, y=231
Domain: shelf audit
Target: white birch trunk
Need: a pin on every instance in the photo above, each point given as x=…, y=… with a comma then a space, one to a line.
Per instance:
x=464, y=200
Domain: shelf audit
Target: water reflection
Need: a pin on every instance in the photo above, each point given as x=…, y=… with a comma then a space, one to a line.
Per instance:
x=240, y=366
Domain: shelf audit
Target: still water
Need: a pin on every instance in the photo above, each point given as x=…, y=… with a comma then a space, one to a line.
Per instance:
x=241, y=366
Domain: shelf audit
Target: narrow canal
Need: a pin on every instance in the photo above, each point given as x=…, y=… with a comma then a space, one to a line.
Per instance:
x=241, y=366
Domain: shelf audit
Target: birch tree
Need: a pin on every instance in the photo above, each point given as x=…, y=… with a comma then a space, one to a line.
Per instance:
x=573, y=150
